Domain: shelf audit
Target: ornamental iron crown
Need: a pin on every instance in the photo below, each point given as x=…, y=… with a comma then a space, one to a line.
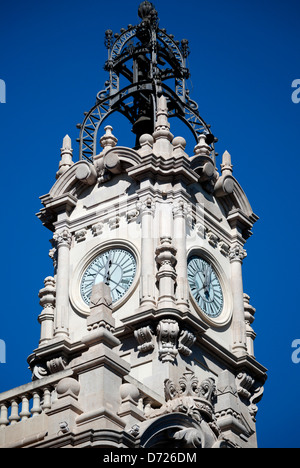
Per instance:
x=148, y=58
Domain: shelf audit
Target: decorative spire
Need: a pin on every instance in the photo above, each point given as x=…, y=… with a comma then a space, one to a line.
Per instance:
x=202, y=148
x=162, y=122
x=225, y=184
x=226, y=166
x=108, y=141
x=162, y=135
x=66, y=157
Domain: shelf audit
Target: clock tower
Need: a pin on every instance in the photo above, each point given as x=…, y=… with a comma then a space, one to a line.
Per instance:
x=146, y=331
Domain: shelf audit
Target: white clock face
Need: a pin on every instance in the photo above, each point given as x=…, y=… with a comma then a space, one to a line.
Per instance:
x=205, y=286
x=115, y=267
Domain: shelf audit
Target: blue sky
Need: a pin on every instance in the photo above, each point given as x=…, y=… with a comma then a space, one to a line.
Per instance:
x=244, y=58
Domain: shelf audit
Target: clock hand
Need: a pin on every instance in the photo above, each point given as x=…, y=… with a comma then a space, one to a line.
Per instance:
x=205, y=278
x=207, y=281
x=209, y=272
x=107, y=267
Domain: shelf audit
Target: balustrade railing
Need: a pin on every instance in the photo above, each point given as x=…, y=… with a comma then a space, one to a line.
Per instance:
x=30, y=400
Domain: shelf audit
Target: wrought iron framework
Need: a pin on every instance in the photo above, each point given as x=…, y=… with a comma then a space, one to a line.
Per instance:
x=147, y=57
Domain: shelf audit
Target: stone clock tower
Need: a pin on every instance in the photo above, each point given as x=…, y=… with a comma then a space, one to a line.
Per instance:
x=146, y=331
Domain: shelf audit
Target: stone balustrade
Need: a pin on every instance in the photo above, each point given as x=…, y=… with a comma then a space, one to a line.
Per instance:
x=30, y=400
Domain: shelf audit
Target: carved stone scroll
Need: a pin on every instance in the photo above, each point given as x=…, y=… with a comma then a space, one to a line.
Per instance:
x=144, y=337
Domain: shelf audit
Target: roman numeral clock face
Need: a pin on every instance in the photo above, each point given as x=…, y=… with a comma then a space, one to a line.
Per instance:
x=116, y=268
x=205, y=286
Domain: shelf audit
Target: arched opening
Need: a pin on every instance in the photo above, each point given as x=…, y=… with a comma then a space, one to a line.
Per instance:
x=169, y=432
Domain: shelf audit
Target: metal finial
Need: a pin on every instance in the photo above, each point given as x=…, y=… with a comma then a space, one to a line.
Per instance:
x=145, y=9
x=108, y=39
x=153, y=63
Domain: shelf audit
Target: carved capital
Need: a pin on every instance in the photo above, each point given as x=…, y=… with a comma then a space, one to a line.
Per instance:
x=179, y=210
x=146, y=206
x=237, y=254
x=63, y=238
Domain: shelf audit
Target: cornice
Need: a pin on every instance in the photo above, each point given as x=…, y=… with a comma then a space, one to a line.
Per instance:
x=172, y=169
x=244, y=363
x=150, y=315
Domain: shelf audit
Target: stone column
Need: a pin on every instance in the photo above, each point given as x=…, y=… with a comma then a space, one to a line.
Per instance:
x=166, y=275
x=237, y=255
x=181, y=266
x=63, y=239
x=147, y=255
x=47, y=301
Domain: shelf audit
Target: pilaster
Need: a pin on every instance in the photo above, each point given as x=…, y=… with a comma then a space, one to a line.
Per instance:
x=182, y=290
x=236, y=256
x=147, y=258
x=63, y=239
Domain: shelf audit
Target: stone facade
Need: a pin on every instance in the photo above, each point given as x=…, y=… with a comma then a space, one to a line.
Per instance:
x=150, y=368
x=152, y=364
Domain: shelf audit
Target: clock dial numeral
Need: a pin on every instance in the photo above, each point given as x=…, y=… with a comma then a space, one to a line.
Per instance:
x=205, y=286
x=115, y=267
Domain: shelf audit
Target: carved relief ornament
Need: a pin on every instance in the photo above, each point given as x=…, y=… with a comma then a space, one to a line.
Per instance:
x=167, y=334
x=237, y=254
x=188, y=396
x=170, y=340
x=63, y=237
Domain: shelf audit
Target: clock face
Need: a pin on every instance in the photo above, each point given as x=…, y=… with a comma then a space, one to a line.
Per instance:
x=115, y=267
x=205, y=286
